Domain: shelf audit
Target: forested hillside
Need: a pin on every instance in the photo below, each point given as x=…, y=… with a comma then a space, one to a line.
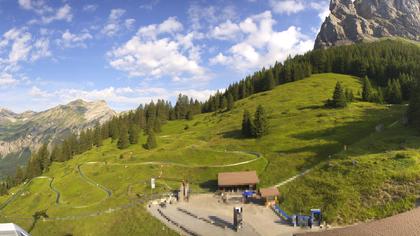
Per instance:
x=334, y=126
x=389, y=68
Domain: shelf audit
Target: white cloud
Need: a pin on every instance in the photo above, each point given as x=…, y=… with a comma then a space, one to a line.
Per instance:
x=129, y=23
x=18, y=45
x=287, y=6
x=41, y=49
x=90, y=7
x=25, y=4
x=63, y=13
x=202, y=16
x=156, y=51
x=71, y=40
x=38, y=6
x=226, y=30
x=47, y=13
x=200, y=95
x=262, y=45
x=120, y=97
x=150, y=5
x=7, y=80
x=169, y=26
x=115, y=24
x=322, y=7
x=116, y=14
x=155, y=58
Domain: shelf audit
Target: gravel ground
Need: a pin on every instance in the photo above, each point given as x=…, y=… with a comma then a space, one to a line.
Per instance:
x=258, y=219
x=405, y=224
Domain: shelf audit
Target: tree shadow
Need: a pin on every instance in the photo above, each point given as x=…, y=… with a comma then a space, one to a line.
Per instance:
x=313, y=107
x=234, y=134
x=210, y=185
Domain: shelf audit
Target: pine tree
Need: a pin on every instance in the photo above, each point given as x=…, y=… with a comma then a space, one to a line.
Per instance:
x=123, y=141
x=151, y=141
x=43, y=156
x=393, y=92
x=349, y=95
x=97, y=138
x=223, y=104
x=133, y=134
x=247, y=124
x=413, y=113
x=230, y=102
x=366, y=90
x=261, y=126
x=269, y=82
x=190, y=115
x=339, y=98
x=56, y=154
x=20, y=175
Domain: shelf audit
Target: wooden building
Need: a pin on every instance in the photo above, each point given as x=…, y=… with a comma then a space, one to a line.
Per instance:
x=269, y=195
x=237, y=181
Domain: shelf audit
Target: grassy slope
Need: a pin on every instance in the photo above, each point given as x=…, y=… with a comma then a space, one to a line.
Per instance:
x=303, y=134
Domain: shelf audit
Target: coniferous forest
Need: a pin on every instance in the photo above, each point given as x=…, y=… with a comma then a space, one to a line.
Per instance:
x=389, y=72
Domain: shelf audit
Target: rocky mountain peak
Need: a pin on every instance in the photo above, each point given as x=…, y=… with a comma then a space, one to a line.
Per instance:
x=352, y=21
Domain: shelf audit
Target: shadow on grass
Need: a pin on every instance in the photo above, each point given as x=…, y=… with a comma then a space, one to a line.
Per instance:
x=234, y=134
x=344, y=134
x=313, y=107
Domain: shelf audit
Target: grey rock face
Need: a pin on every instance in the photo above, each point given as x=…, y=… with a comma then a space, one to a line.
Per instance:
x=32, y=129
x=353, y=21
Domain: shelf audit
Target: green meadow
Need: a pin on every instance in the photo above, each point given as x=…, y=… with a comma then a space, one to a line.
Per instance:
x=104, y=190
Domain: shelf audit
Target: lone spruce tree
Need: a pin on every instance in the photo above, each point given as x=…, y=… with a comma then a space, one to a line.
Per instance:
x=123, y=141
x=261, y=126
x=247, y=124
x=230, y=102
x=339, y=99
x=151, y=141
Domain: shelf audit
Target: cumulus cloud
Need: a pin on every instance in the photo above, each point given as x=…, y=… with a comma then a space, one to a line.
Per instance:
x=262, y=45
x=7, y=80
x=170, y=26
x=18, y=45
x=115, y=23
x=226, y=30
x=71, y=40
x=287, y=6
x=119, y=97
x=155, y=51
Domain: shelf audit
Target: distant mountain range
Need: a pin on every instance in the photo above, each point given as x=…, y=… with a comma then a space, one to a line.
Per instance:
x=366, y=20
x=20, y=133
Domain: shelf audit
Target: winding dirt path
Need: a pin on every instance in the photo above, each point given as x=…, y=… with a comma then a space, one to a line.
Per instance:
x=109, y=191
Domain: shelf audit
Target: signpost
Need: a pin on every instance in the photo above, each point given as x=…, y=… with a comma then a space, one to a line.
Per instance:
x=153, y=183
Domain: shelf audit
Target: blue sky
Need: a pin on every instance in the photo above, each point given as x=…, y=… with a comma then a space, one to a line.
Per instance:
x=130, y=52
